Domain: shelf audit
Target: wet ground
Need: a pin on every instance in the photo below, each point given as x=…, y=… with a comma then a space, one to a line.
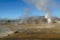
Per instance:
x=31, y=33
x=34, y=34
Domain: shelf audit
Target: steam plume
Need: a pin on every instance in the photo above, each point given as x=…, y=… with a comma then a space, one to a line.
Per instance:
x=25, y=15
x=43, y=5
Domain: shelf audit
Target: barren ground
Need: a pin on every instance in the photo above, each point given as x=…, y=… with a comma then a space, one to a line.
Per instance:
x=34, y=32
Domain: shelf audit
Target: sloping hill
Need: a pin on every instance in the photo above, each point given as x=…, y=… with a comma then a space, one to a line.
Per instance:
x=37, y=20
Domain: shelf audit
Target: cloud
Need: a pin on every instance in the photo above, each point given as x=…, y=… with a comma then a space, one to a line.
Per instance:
x=38, y=3
x=41, y=4
x=44, y=5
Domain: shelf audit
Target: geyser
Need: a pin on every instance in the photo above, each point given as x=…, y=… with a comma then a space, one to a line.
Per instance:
x=41, y=5
x=44, y=5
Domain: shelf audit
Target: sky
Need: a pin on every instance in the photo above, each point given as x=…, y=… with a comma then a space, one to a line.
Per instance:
x=13, y=9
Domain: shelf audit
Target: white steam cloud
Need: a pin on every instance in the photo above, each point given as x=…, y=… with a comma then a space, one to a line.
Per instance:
x=40, y=5
x=43, y=5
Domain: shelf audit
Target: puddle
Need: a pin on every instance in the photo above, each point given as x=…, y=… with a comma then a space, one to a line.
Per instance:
x=4, y=31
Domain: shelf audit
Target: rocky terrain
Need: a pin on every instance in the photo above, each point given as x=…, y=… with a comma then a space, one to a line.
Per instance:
x=37, y=20
x=31, y=27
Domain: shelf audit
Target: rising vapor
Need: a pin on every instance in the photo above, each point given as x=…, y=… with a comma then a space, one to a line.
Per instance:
x=25, y=15
x=43, y=5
